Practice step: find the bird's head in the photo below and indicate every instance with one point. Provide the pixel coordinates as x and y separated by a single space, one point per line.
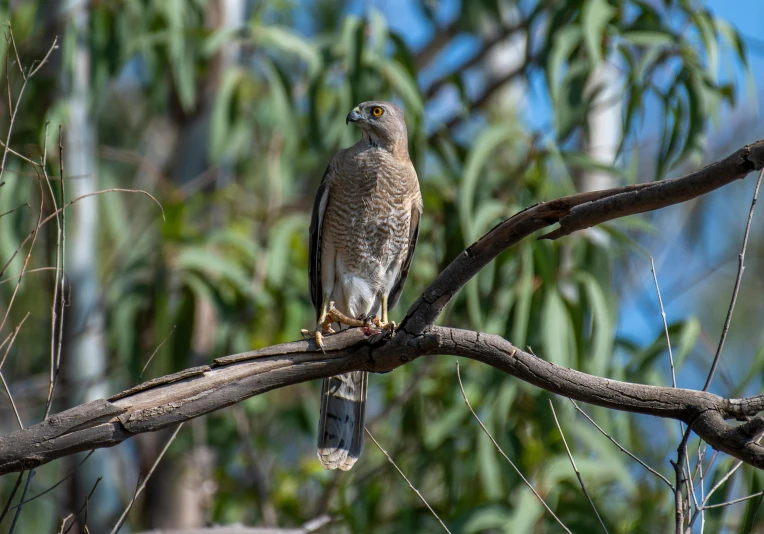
382 124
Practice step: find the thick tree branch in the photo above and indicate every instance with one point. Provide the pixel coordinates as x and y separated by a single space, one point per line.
194 392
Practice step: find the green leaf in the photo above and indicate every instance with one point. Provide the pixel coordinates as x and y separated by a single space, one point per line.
689 332
479 154
565 41
556 329
285 40
649 37
490 470
486 518
403 83
221 113
524 289
602 325
594 18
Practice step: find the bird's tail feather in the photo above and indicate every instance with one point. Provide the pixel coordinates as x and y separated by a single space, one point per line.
341 425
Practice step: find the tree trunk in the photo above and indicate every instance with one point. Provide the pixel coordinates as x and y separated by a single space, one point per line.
84 361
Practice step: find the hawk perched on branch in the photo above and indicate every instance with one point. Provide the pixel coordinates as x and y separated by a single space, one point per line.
363 231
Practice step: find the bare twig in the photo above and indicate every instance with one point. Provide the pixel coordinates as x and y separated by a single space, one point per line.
61 209
54 486
270 517
10 397
680 481
632 456
575 468
54 305
11 337
740 269
26 261
30 271
724 479
63 523
10 498
14 209
84 506
421 497
501 451
720 505
14 110
665 324
701 457
155 351
16 516
2 378
687 479
140 488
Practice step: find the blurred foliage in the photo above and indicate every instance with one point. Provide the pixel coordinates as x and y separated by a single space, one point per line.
269 94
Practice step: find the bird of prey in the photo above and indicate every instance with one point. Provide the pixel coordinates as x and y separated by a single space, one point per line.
363 230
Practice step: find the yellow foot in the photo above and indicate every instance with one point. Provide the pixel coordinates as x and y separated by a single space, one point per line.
391 326
324 326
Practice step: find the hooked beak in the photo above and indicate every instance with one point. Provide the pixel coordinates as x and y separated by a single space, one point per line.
353 116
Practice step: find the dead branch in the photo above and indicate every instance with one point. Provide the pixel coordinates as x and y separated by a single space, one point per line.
172 399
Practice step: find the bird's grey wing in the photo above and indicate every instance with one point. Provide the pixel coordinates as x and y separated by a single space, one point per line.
314 246
395 294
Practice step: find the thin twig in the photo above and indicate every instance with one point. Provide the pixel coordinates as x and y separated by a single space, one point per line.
63 523
53 306
20 156
625 451
740 269
30 271
665 324
26 260
155 351
680 480
14 110
14 209
2 378
11 337
30 476
741 499
421 497
61 209
58 293
498 448
259 480
54 486
688 479
85 505
701 457
10 398
722 481
575 468
138 491
10 499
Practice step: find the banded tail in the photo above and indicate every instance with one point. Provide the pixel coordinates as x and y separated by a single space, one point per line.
341 424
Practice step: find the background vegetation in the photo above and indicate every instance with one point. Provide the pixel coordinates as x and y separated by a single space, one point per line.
227 112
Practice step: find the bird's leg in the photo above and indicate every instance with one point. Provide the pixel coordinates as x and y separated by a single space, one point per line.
337 316
323 325
329 314
383 323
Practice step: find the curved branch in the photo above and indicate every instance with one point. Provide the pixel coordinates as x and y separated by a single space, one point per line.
577 212
176 398
172 399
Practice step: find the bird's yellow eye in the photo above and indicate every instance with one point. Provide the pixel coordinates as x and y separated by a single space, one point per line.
377 111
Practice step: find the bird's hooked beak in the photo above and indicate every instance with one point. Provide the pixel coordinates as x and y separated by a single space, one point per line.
354 116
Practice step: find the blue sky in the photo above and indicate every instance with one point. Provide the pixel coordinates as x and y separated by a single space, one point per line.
713 253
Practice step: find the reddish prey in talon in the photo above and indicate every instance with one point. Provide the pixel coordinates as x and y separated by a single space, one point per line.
369 325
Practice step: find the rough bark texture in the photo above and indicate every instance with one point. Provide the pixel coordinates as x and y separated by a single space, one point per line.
182 396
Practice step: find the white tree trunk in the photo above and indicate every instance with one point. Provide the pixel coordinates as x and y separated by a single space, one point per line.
85 358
